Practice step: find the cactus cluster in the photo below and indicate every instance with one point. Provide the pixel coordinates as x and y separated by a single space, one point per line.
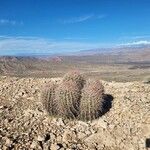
74 98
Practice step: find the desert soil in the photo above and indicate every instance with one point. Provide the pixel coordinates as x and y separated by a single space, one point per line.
24 124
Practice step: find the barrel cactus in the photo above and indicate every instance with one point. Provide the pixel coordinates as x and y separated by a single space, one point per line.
76 77
68 99
48 98
91 100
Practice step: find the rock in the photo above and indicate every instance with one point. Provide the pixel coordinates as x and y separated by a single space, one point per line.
87 132
40 138
1 107
34 144
79 146
24 124
73 146
69 136
60 122
100 123
101 137
54 147
92 131
146 130
81 135
52 137
59 139
4 147
8 142
146 80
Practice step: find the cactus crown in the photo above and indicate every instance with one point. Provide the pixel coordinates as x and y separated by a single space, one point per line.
70 86
76 77
93 87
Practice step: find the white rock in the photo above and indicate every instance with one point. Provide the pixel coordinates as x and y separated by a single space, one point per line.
8 142
40 138
34 144
54 147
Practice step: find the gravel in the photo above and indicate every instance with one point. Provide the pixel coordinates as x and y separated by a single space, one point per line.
24 124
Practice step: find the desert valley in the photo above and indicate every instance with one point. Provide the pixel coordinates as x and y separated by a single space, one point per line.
25 124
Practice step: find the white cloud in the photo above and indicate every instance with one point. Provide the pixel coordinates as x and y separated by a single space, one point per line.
40 45
142 42
82 18
10 22
76 19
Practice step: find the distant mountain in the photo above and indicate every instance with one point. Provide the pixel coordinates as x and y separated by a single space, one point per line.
115 51
13 64
40 65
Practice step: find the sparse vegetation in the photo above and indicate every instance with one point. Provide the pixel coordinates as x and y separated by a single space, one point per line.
91 100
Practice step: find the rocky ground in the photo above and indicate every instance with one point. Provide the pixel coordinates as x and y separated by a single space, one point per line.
24 124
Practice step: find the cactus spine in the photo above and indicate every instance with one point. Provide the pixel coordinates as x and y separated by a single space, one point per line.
48 98
68 99
76 77
91 100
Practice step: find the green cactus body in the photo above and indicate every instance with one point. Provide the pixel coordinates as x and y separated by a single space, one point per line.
68 99
91 100
48 98
76 77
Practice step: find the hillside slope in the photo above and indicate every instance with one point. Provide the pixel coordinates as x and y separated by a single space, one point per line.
24 124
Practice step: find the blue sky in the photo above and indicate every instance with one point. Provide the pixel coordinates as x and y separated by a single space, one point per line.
53 26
